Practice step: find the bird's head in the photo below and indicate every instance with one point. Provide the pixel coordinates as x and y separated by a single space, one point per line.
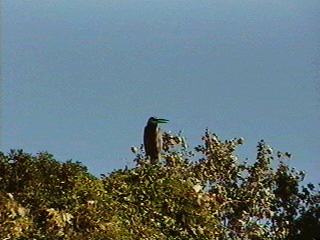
155 121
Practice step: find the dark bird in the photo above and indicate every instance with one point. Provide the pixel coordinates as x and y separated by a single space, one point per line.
153 138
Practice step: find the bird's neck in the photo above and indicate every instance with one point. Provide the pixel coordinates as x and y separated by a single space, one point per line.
154 126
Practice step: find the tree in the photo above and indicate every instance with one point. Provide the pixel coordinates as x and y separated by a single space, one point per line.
216 197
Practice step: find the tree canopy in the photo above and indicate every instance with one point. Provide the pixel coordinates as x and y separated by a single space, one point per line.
216 196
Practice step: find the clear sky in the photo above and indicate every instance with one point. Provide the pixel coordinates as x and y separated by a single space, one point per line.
81 78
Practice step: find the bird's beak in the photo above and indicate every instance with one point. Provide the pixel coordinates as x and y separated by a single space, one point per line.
161 120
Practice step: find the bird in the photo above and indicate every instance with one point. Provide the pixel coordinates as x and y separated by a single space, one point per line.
152 138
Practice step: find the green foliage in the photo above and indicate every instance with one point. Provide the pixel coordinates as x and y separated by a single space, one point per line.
216 197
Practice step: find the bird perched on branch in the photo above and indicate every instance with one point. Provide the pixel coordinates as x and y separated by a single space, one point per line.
153 138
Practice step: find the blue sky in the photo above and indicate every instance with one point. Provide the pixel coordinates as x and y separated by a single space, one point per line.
81 78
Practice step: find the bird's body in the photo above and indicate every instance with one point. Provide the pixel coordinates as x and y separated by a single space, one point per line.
153 138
